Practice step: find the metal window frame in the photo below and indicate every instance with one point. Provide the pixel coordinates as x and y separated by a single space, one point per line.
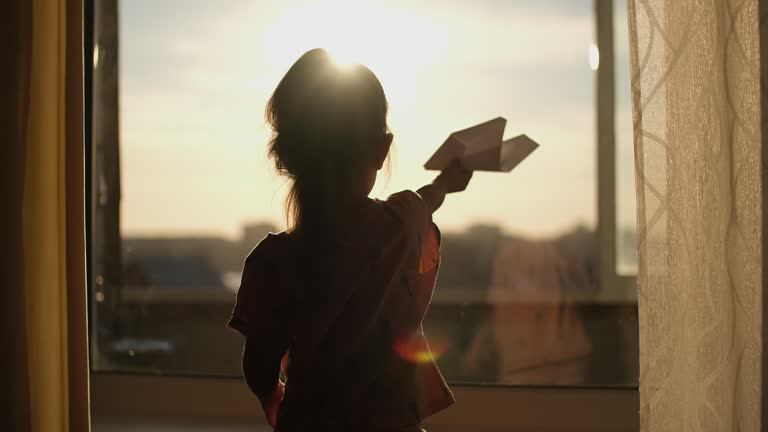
479 408
615 287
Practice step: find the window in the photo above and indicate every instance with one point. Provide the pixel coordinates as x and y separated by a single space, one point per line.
626 208
533 287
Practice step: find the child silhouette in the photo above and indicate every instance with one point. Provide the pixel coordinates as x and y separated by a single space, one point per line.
336 301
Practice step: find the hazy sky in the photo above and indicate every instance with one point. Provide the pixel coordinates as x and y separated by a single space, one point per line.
195 76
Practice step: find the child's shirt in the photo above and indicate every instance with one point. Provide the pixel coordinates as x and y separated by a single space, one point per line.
350 314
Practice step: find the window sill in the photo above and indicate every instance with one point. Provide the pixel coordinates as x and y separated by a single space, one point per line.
126 402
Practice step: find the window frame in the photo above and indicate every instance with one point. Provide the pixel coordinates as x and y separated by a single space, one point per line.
624 286
479 407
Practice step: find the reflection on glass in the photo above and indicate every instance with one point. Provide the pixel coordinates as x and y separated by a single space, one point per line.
626 209
515 301
594 57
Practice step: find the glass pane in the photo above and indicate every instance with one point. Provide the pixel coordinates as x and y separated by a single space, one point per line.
626 208
183 190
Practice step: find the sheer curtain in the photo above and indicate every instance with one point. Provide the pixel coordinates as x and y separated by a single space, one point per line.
696 91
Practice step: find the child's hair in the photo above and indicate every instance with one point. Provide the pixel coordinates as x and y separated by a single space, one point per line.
325 119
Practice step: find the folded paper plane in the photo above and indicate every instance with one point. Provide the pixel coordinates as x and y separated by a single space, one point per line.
481 148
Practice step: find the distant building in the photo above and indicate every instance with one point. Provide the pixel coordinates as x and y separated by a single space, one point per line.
172 272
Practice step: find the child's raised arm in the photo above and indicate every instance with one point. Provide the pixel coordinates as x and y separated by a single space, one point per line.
452 179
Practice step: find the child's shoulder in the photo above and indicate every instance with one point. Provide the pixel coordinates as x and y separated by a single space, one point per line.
409 210
267 247
399 218
405 206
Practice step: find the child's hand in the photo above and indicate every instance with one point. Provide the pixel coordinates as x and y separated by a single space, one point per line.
454 178
272 407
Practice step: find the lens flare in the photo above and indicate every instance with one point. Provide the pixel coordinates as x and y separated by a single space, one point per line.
416 350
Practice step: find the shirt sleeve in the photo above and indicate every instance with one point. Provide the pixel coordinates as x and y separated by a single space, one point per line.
410 304
259 315
417 220
257 305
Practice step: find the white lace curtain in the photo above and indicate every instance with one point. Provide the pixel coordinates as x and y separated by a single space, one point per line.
700 157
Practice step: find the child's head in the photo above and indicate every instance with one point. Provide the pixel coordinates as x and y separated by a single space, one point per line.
330 134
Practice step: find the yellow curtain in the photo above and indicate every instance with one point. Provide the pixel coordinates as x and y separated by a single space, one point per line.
700 155
15 33
46 296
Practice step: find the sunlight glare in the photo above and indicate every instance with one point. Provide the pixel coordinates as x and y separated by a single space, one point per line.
95 55
594 57
340 60
397 44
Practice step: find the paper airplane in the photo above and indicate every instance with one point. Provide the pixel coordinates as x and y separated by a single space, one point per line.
481 148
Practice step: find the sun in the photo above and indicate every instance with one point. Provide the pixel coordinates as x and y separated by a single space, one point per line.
398 43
